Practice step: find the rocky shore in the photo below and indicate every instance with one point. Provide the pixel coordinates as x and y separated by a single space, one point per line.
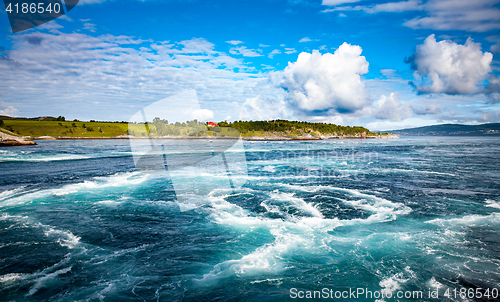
11 140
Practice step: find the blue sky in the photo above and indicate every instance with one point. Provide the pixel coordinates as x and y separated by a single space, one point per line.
380 64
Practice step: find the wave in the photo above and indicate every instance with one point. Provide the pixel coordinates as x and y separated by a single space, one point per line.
19 197
32 156
492 204
43 158
9 193
469 220
293 234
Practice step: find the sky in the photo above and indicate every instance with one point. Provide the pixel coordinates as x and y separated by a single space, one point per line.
380 64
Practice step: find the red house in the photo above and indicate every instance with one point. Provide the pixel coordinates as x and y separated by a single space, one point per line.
212 124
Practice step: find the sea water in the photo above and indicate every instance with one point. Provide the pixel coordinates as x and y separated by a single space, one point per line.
323 219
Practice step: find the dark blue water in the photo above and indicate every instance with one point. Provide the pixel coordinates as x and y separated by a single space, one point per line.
79 223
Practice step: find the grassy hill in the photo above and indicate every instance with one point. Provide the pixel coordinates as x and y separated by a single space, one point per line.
452 130
64 129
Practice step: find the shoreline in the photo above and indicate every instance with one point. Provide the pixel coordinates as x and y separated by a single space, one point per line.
250 138
7 140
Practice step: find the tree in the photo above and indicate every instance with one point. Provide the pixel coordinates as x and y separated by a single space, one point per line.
1 123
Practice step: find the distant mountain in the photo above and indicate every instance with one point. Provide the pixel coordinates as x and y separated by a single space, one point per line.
452 130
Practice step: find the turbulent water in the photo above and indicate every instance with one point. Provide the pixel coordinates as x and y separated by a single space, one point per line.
78 222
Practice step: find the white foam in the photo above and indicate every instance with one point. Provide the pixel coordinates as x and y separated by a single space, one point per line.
382 209
434 284
414 171
64 238
265 259
9 193
11 277
469 220
98 183
42 157
291 234
269 169
297 202
492 204
41 281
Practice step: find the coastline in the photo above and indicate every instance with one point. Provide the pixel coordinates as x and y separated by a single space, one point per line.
11 140
249 138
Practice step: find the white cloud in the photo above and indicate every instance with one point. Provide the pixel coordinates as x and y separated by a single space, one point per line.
337 2
388 72
89 26
234 42
273 53
8 110
202 114
246 52
305 39
429 109
67 73
474 16
325 83
290 50
447 67
489 117
395 7
390 108
258 108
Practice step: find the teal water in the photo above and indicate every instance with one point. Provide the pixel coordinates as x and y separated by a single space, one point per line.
78 222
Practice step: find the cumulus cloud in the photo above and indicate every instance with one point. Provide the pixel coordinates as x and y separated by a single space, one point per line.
305 39
448 67
325 82
8 110
259 108
390 108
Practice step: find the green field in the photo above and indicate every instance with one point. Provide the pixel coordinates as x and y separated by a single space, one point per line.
58 129
65 129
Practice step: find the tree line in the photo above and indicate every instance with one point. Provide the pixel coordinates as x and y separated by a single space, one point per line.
284 126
